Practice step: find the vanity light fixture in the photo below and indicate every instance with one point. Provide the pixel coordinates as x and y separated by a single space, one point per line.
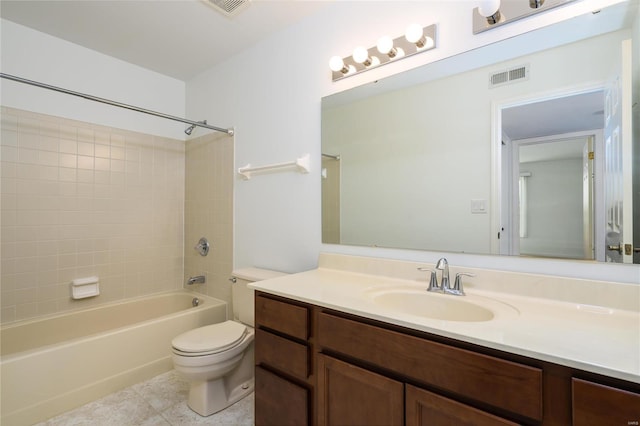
492 13
417 39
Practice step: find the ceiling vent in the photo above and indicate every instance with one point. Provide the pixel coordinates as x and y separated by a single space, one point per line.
228 8
500 78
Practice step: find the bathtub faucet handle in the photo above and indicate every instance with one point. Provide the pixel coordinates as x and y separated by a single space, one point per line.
202 247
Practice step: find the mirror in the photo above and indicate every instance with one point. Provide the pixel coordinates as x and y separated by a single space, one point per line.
433 158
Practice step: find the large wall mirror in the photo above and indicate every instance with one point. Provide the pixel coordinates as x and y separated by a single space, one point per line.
523 147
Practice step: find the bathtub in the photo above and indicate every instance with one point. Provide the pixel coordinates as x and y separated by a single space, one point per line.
52 365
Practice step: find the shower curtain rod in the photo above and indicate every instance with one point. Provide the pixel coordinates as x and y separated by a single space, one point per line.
116 104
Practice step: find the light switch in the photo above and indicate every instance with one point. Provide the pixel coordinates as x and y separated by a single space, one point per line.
478 206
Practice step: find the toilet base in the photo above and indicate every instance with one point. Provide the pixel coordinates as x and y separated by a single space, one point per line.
209 397
219 379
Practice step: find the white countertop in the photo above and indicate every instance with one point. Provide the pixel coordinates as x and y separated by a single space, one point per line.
604 340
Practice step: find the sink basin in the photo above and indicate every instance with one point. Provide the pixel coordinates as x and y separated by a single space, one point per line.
419 302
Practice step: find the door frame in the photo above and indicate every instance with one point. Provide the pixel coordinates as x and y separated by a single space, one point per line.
509 205
498 217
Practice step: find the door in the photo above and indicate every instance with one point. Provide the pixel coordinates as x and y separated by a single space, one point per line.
350 395
424 408
279 402
596 404
619 161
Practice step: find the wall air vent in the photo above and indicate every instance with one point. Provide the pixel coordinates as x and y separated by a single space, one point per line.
500 78
228 8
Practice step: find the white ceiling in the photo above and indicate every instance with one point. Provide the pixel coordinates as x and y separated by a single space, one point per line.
556 116
577 113
178 38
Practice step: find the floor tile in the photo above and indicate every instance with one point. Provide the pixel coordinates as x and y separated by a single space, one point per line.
164 390
155 421
125 407
239 414
160 401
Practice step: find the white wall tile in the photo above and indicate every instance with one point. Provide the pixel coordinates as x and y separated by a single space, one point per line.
69 210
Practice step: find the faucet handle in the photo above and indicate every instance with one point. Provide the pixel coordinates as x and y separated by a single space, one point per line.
433 280
457 285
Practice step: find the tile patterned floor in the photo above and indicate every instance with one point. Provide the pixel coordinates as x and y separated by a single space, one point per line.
160 401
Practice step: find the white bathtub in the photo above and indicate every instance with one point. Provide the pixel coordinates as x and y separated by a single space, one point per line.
51 365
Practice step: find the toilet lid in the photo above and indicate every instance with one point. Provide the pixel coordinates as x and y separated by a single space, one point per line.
210 338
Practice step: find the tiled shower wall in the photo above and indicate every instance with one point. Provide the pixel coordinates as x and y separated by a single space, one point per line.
209 212
79 200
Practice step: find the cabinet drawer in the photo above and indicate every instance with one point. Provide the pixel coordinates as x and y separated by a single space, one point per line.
503 384
426 408
595 404
292 320
285 355
278 401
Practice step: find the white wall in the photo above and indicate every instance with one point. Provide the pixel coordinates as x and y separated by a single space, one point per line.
271 94
40 57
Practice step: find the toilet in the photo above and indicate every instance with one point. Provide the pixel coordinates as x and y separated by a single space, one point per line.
218 359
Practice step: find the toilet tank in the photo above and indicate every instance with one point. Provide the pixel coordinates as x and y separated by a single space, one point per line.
242 296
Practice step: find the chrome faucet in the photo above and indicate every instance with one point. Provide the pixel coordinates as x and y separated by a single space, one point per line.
444 286
443 265
200 279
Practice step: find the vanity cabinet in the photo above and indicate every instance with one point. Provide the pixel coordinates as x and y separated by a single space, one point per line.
484 380
283 388
320 366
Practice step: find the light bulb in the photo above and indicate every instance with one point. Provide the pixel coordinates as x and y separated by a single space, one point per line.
337 64
487 8
360 55
413 33
490 9
429 43
385 45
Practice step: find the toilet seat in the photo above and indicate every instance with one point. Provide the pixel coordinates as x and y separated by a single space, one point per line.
210 339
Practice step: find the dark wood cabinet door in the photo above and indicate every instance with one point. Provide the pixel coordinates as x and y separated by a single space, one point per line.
595 405
278 401
350 395
424 408
514 387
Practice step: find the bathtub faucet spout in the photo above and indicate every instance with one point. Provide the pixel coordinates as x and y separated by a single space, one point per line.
200 279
